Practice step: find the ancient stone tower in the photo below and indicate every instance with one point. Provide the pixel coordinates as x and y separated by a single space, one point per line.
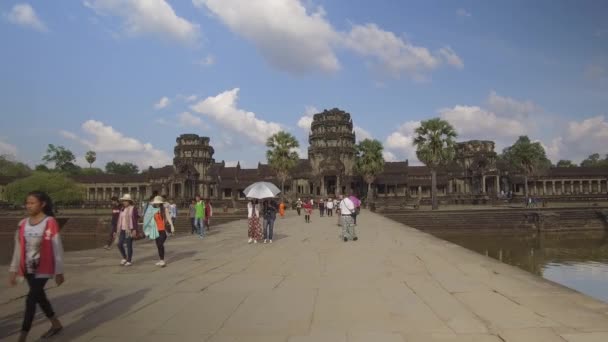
193 151
332 152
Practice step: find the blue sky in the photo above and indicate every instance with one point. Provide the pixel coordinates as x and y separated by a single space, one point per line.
93 74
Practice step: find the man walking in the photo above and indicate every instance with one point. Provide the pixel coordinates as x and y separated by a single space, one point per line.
199 216
347 210
192 215
330 207
270 215
321 207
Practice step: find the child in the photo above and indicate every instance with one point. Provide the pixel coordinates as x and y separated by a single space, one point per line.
38 256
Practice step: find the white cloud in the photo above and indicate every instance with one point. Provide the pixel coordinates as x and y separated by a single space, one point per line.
451 57
24 15
162 103
472 122
209 60
401 142
114 145
289 36
298 39
362 134
223 109
186 119
394 54
153 17
389 156
510 107
306 120
596 72
461 12
7 149
191 98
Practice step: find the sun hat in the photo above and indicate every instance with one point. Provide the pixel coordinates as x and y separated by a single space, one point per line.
126 197
158 200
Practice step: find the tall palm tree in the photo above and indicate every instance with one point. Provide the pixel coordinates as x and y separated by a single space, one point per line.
281 155
369 162
527 157
90 157
435 147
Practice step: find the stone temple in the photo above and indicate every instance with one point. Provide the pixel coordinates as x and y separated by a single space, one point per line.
474 177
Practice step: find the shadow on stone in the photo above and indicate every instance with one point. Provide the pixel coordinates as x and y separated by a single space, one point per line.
169 256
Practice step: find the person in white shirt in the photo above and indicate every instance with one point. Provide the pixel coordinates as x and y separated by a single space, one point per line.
347 210
330 207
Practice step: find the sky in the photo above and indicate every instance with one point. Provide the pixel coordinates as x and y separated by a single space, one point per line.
124 78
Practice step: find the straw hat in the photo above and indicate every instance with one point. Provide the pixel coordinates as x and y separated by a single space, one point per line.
126 197
158 200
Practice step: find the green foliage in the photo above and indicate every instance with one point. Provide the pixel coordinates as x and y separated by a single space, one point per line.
435 142
435 146
12 168
565 163
595 160
62 189
91 171
42 168
62 158
121 168
281 154
527 157
369 161
90 157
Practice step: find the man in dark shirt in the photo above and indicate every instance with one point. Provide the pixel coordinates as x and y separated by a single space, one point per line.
270 214
115 213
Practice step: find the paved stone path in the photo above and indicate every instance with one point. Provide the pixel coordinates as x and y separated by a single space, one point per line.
394 284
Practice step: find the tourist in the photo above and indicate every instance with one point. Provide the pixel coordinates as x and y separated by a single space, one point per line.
347 211
321 207
192 215
307 210
253 215
126 228
208 214
199 216
330 207
299 206
282 209
270 215
37 257
156 219
115 213
173 211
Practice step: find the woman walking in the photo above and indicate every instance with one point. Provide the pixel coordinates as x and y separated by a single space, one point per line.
157 219
208 214
38 256
126 229
192 215
253 214
307 210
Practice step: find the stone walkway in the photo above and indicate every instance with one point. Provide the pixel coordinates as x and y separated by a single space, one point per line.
394 284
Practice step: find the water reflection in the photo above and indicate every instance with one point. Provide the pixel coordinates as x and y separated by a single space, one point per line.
578 260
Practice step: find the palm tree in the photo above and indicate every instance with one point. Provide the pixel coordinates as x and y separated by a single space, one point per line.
369 162
435 147
527 157
90 157
281 155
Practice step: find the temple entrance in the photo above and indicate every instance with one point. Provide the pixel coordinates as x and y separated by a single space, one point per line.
330 184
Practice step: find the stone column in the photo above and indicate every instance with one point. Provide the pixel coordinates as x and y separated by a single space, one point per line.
497 188
323 191
544 188
563 191
339 185
581 186
483 184
553 186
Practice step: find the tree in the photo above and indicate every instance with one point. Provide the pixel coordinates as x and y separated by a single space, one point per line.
62 158
12 168
595 160
369 162
59 186
121 168
435 147
91 171
281 155
90 157
527 157
565 163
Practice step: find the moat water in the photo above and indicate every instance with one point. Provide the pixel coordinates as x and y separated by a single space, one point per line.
578 260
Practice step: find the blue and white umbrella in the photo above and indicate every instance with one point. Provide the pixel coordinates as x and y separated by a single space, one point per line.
261 190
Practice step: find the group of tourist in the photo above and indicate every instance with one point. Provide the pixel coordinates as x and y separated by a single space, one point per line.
347 209
200 212
267 211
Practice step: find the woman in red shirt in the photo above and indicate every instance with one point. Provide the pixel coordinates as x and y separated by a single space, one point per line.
307 210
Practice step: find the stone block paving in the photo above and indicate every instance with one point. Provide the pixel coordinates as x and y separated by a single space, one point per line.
395 284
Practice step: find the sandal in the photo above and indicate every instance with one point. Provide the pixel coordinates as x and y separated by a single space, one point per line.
52 332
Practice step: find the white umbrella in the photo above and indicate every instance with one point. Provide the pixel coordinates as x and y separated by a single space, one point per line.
261 190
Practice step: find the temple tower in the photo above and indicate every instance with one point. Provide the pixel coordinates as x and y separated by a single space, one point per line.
193 154
332 152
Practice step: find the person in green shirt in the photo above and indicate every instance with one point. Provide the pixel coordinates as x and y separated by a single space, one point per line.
199 216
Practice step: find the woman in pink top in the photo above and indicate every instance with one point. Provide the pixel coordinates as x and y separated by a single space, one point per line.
38 256
126 229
